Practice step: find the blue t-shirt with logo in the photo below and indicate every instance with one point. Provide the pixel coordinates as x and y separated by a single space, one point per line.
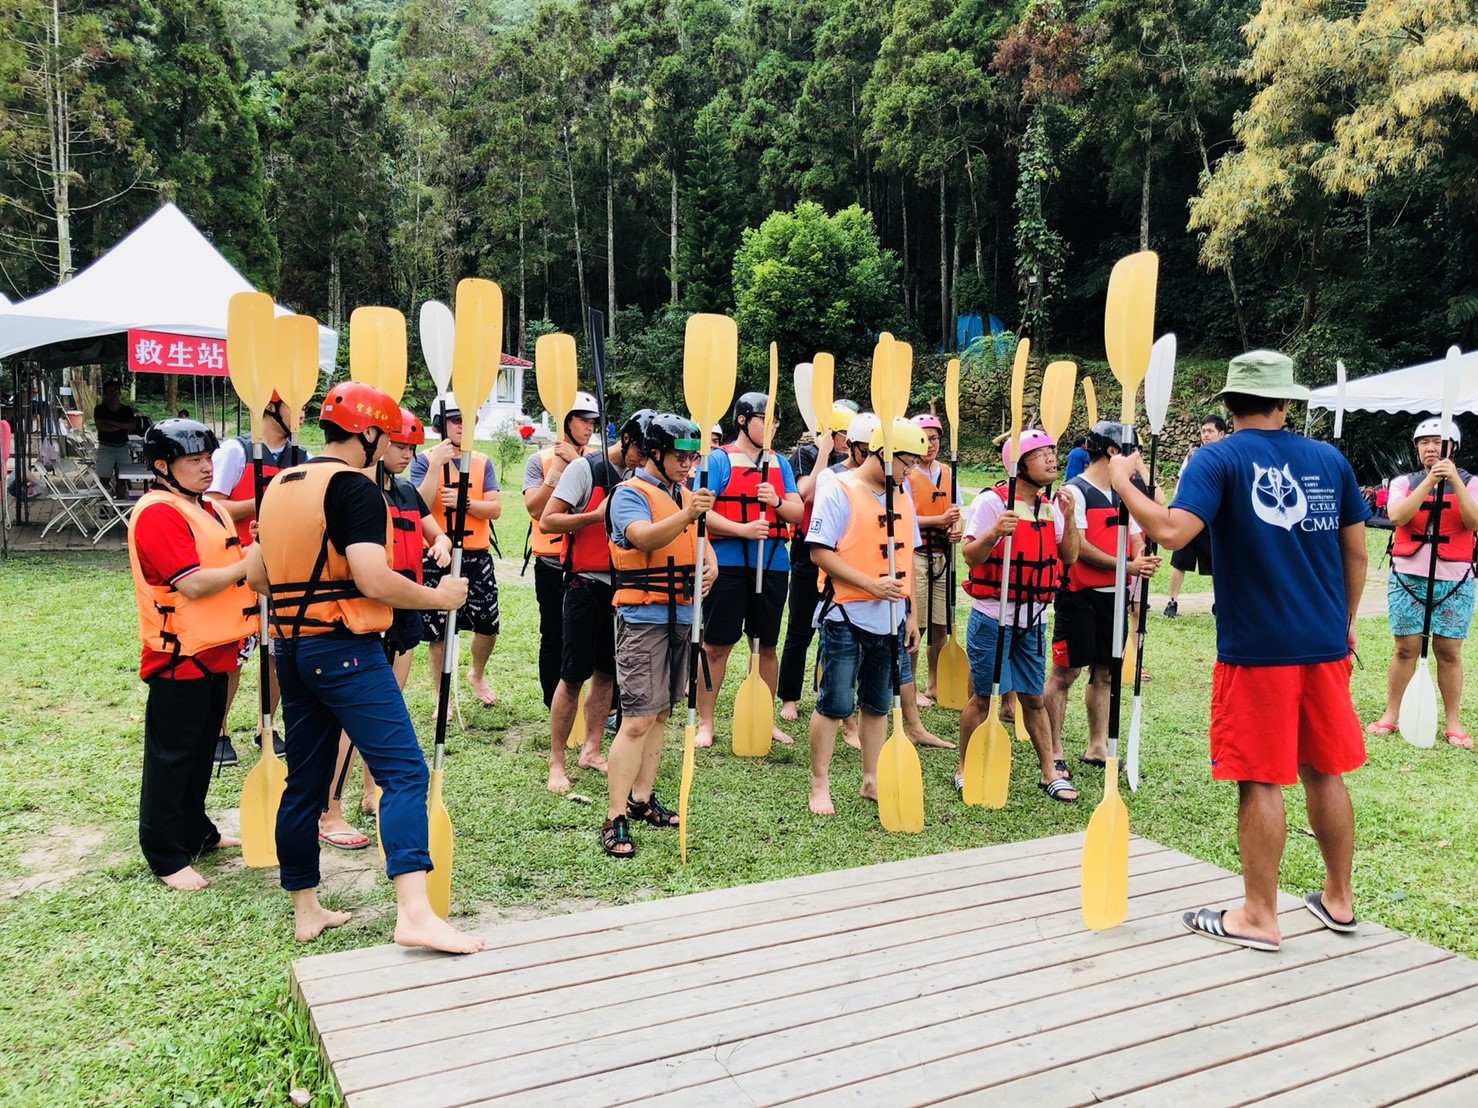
731 551
1275 503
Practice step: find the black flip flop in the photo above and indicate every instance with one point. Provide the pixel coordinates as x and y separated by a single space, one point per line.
1212 924
1087 761
1314 902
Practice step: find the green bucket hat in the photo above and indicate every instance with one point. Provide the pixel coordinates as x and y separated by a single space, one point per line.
1264 373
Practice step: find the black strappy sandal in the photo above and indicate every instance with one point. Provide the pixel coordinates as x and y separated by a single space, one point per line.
651 811
614 835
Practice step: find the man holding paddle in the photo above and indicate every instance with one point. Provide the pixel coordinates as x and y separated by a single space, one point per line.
1287 526
324 558
931 485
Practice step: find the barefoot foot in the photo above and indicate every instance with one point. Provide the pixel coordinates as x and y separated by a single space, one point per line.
314 920
869 790
434 933
558 780
185 880
820 799
591 759
928 738
790 710
703 737
779 736
851 737
225 842
482 690
925 700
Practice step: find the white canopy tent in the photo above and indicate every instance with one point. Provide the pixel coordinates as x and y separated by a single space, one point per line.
164 276
1415 389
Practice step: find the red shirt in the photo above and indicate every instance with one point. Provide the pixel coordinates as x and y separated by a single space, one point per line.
167 553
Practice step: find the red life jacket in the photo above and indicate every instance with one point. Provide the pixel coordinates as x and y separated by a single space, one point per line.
405 523
740 499
1102 532
589 550
1454 540
246 485
1033 560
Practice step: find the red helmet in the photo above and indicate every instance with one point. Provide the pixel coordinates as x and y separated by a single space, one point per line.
356 407
411 432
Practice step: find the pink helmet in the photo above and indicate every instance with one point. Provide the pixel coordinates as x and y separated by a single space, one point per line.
928 419
1033 438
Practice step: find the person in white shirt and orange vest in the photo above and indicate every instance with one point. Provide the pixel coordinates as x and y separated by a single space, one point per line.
194 611
932 485
435 473
653 525
1044 540
1083 627
755 497
577 513
849 544
541 474
324 557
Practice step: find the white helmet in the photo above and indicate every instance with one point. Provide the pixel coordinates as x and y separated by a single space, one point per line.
718 429
441 407
862 427
1432 429
584 406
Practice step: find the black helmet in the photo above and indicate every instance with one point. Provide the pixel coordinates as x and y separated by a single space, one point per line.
670 431
174 438
750 404
634 430
1104 434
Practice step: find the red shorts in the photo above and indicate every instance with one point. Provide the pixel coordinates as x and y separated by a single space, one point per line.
1266 721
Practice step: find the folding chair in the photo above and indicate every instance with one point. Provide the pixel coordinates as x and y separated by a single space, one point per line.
74 503
113 509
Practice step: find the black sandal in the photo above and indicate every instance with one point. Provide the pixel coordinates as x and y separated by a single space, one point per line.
614 834
651 811
1061 767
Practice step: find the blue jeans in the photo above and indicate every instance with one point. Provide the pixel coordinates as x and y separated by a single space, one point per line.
857 666
1023 659
328 685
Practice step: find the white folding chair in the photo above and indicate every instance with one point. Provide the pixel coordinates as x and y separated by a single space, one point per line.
74 502
113 509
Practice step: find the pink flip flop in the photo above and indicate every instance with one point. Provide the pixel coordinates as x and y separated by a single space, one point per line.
344 840
1380 727
1459 739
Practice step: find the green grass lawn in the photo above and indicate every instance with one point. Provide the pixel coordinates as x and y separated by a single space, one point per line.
120 991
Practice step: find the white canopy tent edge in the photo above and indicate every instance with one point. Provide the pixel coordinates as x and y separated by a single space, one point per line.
1415 389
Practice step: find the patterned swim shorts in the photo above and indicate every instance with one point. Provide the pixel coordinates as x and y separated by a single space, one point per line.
480 614
1452 605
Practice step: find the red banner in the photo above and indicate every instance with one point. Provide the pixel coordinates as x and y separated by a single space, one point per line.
165 352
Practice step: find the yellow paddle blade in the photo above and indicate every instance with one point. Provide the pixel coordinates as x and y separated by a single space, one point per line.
249 345
823 381
1105 870
770 396
554 368
1417 718
577 728
900 782
377 349
972 775
1090 401
1129 322
884 403
685 787
754 714
1059 381
439 834
1018 396
952 403
902 375
294 373
1126 670
710 364
261 796
476 344
954 675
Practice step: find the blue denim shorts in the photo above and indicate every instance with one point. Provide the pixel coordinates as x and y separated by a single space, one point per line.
857 666
1023 661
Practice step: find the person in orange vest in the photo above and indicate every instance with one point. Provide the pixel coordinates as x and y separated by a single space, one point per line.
416 535
932 485
435 474
577 513
324 557
1083 623
1044 539
540 476
860 603
1412 505
194 610
653 524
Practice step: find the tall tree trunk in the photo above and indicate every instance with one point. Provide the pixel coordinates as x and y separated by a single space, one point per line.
60 128
943 266
545 228
974 204
907 268
523 299
672 234
610 242
1144 200
575 220
335 292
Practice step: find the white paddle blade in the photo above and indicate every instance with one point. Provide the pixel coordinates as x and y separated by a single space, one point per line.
1158 380
803 401
1418 716
1450 391
1131 759
438 327
1341 382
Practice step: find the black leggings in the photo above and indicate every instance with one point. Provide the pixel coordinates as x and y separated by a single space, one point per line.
550 595
182 721
804 596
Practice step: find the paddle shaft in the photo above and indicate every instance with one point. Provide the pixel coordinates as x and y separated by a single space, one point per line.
949 571
892 576
1121 607
444 687
1434 528
1144 582
264 711
995 679
759 554
696 631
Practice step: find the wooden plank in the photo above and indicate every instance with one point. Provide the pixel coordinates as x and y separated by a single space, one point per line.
1459 1094
1392 1077
745 927
1239 1020
537 1069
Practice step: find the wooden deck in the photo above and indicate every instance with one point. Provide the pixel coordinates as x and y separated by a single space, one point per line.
956 977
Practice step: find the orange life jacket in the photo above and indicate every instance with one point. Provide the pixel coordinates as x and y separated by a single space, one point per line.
542 543
930 499
740 499
864 544
310 587
589 549
246 484
1102 532
1033 559
662 576
476 533
1454 540
171 622
404 503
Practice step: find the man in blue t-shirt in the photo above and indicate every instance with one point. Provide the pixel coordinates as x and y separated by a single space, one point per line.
756 504
1287 526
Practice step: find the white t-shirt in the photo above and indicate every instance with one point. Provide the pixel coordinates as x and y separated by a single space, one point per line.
1420 563
1080 517
830 517
985 509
